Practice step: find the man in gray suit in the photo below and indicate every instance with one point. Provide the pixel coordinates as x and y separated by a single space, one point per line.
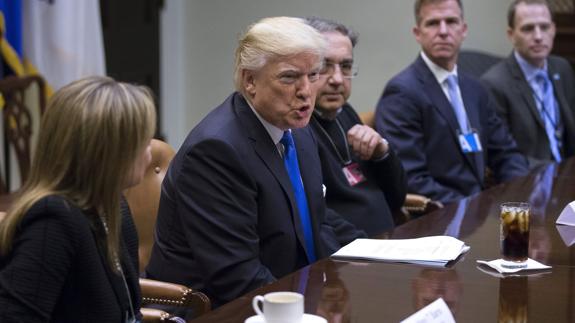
534 89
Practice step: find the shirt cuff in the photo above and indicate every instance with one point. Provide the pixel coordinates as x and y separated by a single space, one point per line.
384 157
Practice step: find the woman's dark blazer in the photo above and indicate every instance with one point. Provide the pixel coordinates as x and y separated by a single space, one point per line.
56 270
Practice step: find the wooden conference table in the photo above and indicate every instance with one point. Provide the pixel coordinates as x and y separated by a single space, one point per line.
361 291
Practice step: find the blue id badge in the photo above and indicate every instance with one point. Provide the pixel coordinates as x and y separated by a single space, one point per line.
470 142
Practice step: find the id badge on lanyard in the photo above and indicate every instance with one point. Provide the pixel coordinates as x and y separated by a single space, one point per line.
470 142
353 174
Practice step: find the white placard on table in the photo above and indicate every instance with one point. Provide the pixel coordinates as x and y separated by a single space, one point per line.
567 216
436 312
567 234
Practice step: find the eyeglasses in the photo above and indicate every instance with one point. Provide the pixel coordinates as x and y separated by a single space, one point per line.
347 68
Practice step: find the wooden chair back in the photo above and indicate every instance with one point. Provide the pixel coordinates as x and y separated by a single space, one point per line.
17 120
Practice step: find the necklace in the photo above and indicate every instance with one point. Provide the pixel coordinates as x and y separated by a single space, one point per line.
115 256
130 316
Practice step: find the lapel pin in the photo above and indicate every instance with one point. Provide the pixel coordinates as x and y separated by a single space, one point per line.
556 76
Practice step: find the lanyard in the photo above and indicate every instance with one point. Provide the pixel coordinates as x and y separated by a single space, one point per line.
555 122
547 115
333 145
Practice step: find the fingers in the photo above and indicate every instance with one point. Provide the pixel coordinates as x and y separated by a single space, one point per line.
366 142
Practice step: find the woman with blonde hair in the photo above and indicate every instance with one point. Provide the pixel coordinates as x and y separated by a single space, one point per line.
62 251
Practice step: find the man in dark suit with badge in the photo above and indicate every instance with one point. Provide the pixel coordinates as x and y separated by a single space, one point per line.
535 90
443 123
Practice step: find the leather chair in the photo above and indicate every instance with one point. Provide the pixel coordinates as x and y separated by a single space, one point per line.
17 114
415 204
475 63
144 200
170 295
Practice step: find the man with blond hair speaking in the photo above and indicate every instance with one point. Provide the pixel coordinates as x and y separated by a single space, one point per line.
242 203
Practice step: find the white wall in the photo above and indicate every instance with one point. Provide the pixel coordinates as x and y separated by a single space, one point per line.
199 38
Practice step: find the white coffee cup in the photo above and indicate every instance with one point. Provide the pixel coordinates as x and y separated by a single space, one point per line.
280 307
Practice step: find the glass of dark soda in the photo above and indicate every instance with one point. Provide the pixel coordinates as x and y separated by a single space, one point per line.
515 234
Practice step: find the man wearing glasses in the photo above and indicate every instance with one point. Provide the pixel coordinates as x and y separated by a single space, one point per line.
364 179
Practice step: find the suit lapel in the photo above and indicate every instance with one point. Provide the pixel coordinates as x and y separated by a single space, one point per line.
564 108
269 155
524 90
435 93
557 85
440 102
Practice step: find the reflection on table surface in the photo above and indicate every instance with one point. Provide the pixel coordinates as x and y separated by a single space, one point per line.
432 283
333 303
513 300
360 291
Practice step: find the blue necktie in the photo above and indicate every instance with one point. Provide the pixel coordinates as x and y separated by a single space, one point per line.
291 165
456 103
548 112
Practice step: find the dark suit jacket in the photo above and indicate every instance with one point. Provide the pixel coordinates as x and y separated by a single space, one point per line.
228 221
368 205
417 119
57 272
518 109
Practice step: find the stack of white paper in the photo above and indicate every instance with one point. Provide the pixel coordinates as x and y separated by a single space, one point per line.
435 251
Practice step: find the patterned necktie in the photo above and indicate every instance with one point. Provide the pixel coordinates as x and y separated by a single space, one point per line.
544 96
291 165
457 104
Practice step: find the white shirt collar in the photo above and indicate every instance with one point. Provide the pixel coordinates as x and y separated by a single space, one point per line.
275 133
439 72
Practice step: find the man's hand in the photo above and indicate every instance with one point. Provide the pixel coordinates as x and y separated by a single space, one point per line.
366 142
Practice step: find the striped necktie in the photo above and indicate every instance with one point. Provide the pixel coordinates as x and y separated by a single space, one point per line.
457 104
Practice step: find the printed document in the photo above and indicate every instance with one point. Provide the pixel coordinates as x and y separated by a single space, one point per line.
435 250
